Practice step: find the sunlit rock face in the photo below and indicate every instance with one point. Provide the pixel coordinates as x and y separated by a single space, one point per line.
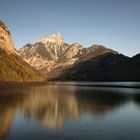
44 54
6 41
49 39
68 58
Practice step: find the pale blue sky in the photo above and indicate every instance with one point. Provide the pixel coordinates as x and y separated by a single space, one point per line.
112 23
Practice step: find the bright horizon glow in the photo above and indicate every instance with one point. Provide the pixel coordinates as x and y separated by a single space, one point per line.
114 24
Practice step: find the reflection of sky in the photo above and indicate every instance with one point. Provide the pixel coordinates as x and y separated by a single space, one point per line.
113 23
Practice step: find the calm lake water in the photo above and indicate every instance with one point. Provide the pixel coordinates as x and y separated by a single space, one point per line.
70 111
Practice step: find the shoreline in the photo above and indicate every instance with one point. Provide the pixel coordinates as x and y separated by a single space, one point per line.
4 84
18 84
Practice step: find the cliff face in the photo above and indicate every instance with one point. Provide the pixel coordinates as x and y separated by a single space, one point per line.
12 67
6 41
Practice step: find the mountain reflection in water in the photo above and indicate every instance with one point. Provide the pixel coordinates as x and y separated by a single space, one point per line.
52 105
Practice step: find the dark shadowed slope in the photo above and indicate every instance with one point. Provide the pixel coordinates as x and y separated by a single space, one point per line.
94 69
127 70
107 67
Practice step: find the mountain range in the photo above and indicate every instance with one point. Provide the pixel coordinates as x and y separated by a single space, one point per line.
51 58
61 61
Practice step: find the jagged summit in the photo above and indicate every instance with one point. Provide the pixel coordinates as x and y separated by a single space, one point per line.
77 44
49 39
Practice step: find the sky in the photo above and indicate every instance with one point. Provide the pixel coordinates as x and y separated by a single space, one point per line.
112 23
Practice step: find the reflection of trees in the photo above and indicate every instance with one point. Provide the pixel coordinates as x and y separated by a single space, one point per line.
99 102
52 105
6 118
9 100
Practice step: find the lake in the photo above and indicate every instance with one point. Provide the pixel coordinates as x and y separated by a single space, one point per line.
70 111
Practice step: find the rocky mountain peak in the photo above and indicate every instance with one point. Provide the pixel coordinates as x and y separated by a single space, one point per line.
57 35
76 44
49 39
97 46
99 50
